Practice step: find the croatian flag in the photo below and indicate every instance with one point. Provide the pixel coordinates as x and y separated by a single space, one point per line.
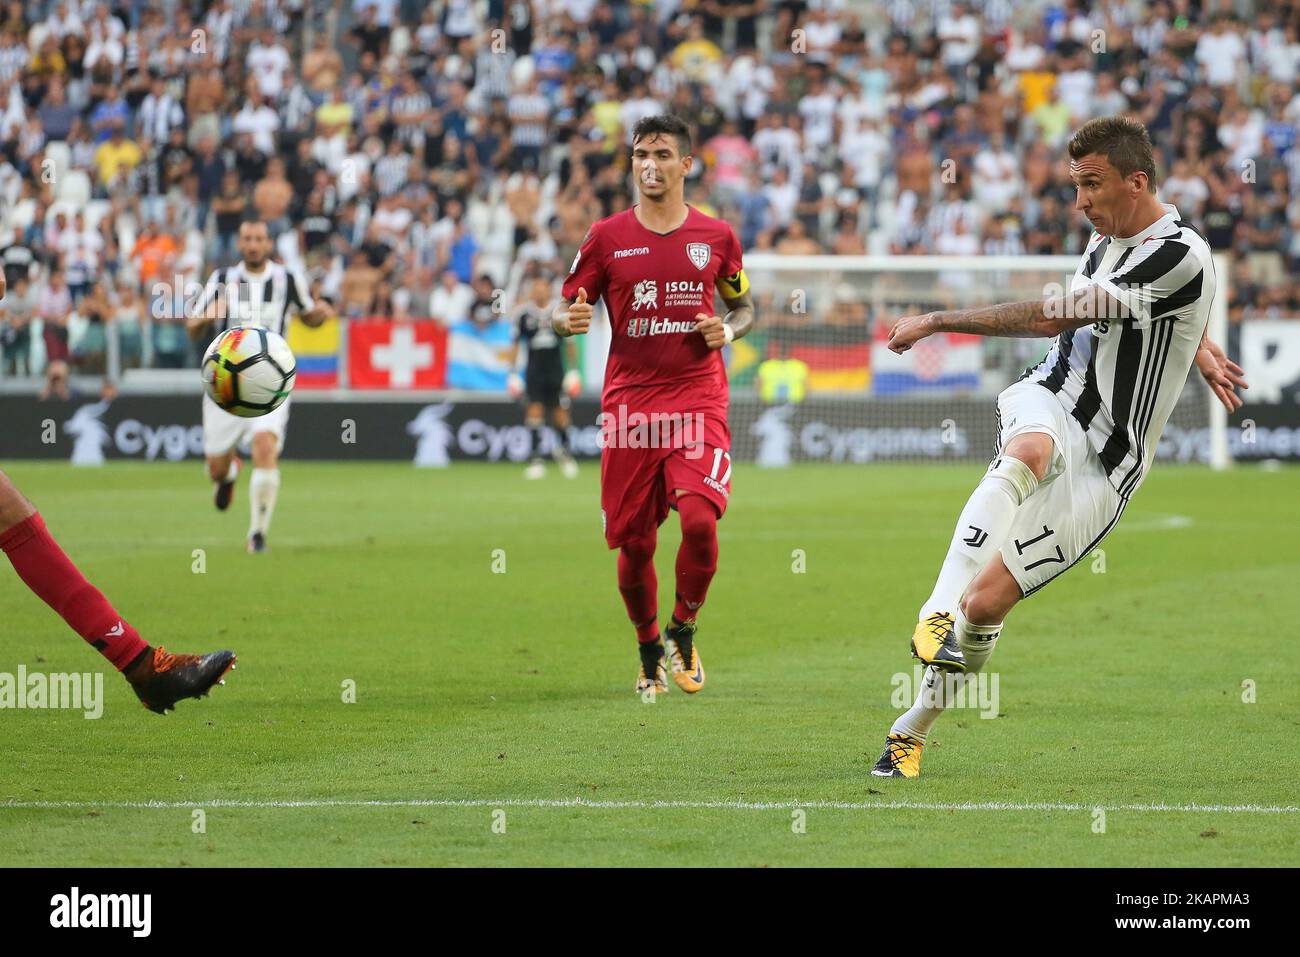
944 362
480 356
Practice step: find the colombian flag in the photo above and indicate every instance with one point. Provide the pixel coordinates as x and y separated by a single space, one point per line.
317 352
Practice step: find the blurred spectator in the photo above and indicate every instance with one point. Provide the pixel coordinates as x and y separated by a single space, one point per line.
81 250
116 157
154 254
128 319
797 242
53 307
452 300
259 121
272 198
96 312
16 312
848 239
357 291
57 384
228 208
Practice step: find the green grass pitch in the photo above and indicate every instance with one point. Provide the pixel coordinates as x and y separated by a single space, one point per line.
487 698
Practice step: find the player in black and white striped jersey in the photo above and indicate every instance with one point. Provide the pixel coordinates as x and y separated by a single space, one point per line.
1078 432
253 292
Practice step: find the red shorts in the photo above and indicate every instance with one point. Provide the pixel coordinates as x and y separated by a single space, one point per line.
640 474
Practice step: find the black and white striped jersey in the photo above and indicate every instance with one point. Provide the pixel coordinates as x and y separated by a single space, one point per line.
1121 376
263 299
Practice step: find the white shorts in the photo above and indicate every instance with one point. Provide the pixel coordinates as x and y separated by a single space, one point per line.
1074 506
223 432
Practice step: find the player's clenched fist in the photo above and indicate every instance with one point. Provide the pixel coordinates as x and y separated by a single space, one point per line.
712 328
908 331
575 318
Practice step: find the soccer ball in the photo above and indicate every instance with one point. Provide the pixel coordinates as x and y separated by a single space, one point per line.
248 371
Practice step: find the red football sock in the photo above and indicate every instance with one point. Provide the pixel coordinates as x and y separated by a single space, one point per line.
639 586
697 558
48 572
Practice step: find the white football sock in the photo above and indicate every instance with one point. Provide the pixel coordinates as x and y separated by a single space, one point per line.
977 641
232 471
262 490
916 721
977 644
984 525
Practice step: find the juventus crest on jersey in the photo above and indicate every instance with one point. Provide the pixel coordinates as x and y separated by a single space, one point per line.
263 299
1121 377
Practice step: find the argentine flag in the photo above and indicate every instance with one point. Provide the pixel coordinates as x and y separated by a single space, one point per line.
478 357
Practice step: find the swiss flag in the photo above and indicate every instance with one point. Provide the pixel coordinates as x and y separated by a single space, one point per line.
397 355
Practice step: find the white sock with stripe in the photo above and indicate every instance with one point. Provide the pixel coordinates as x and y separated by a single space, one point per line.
262 491
977 641
930 702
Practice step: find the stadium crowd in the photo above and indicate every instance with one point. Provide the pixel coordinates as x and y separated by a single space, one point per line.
414 157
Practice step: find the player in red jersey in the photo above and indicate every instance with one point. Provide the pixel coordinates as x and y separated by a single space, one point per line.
158 677
664 406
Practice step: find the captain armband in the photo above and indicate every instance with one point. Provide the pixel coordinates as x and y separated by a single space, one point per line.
735 285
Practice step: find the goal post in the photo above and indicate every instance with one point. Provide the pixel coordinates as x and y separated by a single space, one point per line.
814 381
1219 455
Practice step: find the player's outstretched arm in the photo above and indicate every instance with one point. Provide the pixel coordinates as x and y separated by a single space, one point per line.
209 308
1030 319
572 317
197 324
316 315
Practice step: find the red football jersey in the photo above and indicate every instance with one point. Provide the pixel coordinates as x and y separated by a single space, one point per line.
654 285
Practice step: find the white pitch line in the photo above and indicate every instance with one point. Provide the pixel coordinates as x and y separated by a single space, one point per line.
1156 522
655 805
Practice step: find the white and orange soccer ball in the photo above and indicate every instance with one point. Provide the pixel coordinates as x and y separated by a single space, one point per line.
248 371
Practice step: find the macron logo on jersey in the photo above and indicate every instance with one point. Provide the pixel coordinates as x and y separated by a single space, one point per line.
639 251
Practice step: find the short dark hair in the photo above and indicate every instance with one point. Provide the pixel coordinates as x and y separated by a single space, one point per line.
666 124
1124 142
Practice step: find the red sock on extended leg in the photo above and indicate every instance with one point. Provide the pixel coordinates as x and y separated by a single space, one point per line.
42 564
639 586
697 558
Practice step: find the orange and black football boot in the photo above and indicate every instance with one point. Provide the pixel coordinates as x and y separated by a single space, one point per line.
683 656
902 757
160 679
934 643
652 675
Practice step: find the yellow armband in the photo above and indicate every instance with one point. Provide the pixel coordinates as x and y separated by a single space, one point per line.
734 286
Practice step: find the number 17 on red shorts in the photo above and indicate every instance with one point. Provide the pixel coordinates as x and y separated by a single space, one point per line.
647 457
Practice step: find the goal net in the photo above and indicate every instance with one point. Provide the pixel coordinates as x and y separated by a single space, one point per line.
815 381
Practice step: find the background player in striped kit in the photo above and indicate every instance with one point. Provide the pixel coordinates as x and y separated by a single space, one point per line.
545 382
256 292
1078 432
